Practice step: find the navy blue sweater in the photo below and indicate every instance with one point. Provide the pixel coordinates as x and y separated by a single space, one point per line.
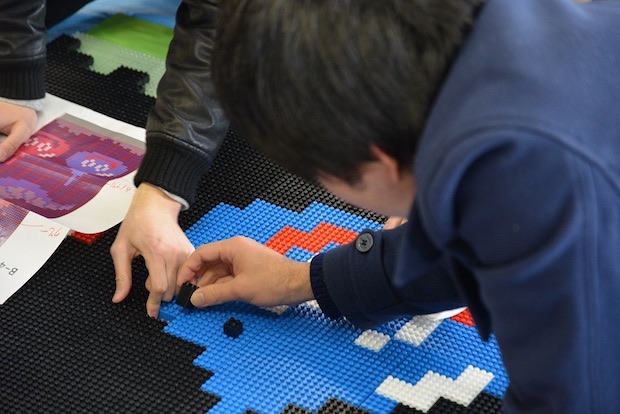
517 211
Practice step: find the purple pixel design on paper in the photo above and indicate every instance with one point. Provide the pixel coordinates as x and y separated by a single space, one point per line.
65 164
10 218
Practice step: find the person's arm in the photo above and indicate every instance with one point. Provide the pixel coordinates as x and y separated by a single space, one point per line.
241 269
184 131
359 283
360 280
527 221
187 124
22 71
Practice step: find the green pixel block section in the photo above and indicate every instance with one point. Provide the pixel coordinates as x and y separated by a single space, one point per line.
137 34
108 56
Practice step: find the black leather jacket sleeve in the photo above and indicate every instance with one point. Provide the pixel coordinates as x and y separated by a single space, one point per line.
22 49
187 125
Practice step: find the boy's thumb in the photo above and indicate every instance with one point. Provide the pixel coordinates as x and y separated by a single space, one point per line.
198 299
212 295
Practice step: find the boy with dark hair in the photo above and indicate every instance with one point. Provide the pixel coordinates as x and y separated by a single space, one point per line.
494 127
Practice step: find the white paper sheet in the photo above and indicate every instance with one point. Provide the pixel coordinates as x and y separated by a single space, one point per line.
109 206
25 248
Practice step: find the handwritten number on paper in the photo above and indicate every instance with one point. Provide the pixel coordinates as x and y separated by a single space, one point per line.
8 269
52 232
122 187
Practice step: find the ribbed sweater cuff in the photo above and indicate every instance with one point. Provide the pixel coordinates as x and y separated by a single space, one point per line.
319 289
23 81
172 167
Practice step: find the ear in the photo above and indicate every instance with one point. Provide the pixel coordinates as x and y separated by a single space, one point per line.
388 163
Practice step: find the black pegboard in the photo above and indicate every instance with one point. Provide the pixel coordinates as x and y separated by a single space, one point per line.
482 404
67 348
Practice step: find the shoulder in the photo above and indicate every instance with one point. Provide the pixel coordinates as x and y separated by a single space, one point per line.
488 176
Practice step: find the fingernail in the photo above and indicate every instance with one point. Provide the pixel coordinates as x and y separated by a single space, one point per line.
115 297
198 300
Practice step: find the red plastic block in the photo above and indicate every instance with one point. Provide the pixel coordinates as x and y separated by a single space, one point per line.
86 238
314 242
464 317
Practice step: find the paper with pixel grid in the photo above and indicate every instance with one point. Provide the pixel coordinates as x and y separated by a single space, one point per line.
75 173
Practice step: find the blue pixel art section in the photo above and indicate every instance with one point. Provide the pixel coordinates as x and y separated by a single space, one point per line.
295 355
261 221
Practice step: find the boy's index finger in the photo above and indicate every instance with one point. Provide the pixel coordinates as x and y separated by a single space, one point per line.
153 303
156 267
197 263
122 259
9 145
207 255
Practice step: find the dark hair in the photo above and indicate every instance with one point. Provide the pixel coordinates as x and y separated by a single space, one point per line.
313 83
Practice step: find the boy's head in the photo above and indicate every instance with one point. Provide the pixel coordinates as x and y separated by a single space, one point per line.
320 85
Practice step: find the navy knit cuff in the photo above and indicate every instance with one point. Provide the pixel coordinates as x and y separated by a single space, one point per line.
319 289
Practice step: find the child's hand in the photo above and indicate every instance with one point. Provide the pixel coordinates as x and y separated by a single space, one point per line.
18 123
242 269
394 222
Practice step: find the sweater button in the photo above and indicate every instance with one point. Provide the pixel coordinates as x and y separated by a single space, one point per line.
364 242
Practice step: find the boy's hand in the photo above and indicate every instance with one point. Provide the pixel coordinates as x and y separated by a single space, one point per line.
242 269
150 229
18 123
394 222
